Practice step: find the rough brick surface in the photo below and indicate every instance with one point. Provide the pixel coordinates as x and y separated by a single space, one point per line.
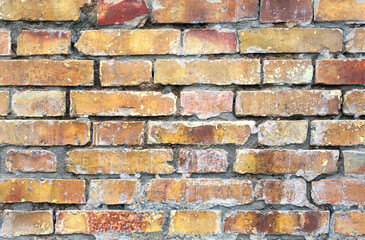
118 133
350 223
114 191
4 102
339 10
354 162
202 161
355 40
354 103
285 10
5 42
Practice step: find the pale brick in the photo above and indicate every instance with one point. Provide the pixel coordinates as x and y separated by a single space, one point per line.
113 191
30 161
339 10
202 161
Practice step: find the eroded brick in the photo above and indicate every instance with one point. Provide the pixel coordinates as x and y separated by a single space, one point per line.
286 10
5 42
202 161
30 161
113 191
350 223
339 10
354 162
4 103
354 103
355 40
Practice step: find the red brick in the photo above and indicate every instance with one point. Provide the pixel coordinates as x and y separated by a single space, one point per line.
202 161
113 191
354 162
4 103
354 103
5 42
339 10
286 10
350 223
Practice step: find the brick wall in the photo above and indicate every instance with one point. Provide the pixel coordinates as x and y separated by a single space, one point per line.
182 119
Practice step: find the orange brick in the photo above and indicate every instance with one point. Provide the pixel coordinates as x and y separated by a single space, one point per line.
355 40
44 132
89 222
286 10
5 42
202 161
20 223
4 103
278 222
113 191
206 104
354 162
122 103
354 103
287 103
350 223
195 222
39 103
290 40
40 42
201 71
30 161
118 133
46 72
227 192
58 191
339 10
204 133
129 42
124 73
306 163
117 161
348 192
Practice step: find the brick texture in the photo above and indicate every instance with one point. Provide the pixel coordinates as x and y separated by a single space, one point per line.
344 10
285 10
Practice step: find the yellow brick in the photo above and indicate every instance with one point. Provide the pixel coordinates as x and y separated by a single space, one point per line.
339 10
4 103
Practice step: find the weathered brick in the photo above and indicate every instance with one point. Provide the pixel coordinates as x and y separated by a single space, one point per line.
122 103
202 161
276 133
129 42
340 71
46 72
39 10
201 71
30 161
209 41
350 223
205 133
124 73
88 222
44 132
206 104
117 161
113 191
195 222
354 103
19 223
293 40
227 192
5 42
118 133
354 162
282 192
285 10
4 103
339 10
58 191
287 103
278 222
355 40
288 71
43 42
337 132
347 192
306 163
39 103
192 11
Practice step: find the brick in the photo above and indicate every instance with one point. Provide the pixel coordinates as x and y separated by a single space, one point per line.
278 222
113 191
20 223
48 132
121 11
30 161
201 71
293 40
277 133
194 222
355 40
340 71
354 162
39 103
122 103
124 73
286 103
89 222
306 163
191 11
46 72
129 42
58 191
354 103
203 133
118 161
202 161
41 42
348 192
118 133
209 41
286 11
280 72
350 223
227 192
4 103
337 132
206 104
39 10
282 192
339 10
5 43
